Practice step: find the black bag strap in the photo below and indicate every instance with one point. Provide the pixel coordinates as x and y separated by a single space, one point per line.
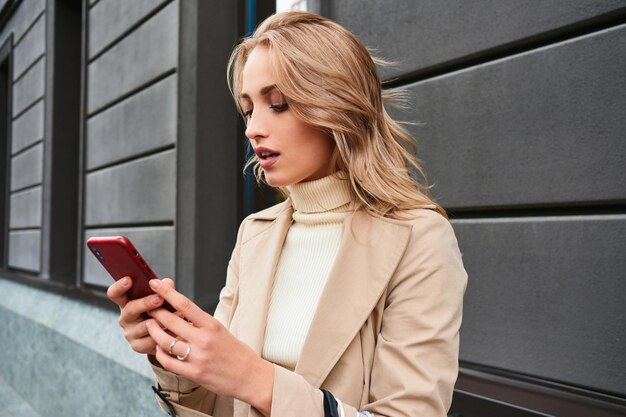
172 413
330 404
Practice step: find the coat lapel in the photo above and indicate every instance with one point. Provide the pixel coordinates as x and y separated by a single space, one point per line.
258 261
369 252
259 257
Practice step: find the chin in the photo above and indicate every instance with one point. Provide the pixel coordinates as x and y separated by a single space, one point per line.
277 180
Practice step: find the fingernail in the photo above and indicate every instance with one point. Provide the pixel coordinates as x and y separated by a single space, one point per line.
155 299
154 284
124 281
148 323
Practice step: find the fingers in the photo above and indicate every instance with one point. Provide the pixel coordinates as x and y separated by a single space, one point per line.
163 343
135 331
143 345
135 308
162 339
117 291
173 323
181 303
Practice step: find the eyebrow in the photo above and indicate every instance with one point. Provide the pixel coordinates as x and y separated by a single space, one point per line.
263 91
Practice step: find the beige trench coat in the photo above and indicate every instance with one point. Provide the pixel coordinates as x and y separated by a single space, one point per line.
384 337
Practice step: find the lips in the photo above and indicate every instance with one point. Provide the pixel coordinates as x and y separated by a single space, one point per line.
267 157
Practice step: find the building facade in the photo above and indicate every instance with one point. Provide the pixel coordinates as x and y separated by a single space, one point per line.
115 118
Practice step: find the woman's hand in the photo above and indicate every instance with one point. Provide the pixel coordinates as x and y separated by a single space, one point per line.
132 319
207 353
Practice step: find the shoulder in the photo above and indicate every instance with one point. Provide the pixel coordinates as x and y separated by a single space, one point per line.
430 229
432 241
432 261
423 222
423 232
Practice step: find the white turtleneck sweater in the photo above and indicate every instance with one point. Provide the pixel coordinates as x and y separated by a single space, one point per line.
307 256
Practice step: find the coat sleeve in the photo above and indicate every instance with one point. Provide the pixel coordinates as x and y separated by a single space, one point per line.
415 361
189 398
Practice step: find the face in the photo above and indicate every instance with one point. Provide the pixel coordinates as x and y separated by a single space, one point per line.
289 150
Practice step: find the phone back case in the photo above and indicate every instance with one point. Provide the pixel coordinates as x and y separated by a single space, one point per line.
120 258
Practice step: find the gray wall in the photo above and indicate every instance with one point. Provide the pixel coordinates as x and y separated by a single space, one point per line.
520 109
131 129
27 150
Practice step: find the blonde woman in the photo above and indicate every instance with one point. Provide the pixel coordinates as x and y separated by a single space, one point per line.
346 298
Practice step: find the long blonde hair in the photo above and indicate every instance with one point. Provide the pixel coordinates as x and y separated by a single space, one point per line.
330 81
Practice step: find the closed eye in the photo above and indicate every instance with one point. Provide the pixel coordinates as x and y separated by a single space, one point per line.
279 107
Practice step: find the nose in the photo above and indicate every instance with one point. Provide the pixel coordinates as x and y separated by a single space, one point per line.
255 128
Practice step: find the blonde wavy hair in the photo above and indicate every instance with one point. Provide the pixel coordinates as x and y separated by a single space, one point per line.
330 81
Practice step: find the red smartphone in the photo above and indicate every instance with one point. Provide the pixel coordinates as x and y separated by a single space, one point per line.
120 258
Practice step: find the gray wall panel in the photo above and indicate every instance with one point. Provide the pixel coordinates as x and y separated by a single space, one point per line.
23 17
156 245
30 87
25 249
145 54
109 19
546 297
28 128
145 121
25 208
422 34
139 191
27 168
31 47
543 127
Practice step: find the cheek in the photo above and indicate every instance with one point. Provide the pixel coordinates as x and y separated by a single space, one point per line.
316 154
307 149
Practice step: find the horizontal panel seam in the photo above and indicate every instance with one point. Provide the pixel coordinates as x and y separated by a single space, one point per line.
511 49
27 187
27 108
132 92
24 229
92 5
132 158
27 148
538 219
33 64
164 223
128 31
32 24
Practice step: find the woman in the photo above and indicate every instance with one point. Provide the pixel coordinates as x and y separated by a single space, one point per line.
353 285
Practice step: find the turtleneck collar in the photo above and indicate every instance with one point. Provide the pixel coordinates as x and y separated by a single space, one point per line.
323 195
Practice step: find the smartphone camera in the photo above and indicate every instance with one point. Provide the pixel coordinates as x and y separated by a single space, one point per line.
96 252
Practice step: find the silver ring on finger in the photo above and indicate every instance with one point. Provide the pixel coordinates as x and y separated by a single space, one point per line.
170 351
187 352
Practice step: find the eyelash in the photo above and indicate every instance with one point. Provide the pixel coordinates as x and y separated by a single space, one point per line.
278 108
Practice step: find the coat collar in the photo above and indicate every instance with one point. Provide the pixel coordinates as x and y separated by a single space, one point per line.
369 252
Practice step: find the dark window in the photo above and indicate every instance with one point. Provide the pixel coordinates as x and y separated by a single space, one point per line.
63 92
